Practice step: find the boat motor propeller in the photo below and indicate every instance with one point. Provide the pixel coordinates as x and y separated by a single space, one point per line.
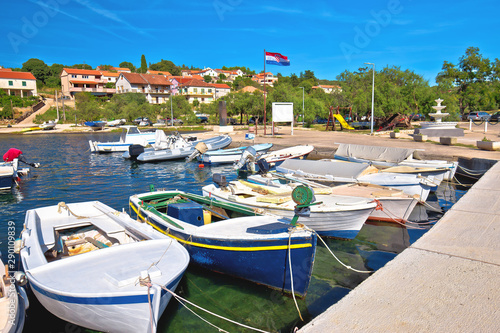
249 155
200 149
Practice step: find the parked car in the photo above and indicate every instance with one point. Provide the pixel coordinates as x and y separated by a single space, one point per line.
495 117
137 120
177 122
481 115
417 117
251 121
145 122
203 119
319 120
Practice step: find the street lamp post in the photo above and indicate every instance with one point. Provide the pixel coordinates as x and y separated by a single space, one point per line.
373 94
171 111
303 112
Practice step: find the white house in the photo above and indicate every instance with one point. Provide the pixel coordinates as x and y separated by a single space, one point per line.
328 89
156 88
109 76
197 90
75 80
220 89
207 71
20 84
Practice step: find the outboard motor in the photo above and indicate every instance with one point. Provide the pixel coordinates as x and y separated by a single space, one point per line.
134 151
200 149
249 155
220 180
263 166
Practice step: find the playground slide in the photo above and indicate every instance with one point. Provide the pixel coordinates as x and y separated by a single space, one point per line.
342 122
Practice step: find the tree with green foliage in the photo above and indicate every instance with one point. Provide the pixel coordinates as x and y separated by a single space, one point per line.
129 65
167 66
245 70
474 80
38 68
241 82
144 64
207 78
87 107
81 66
107 68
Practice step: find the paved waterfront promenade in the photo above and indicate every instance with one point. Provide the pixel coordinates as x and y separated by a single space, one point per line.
447 281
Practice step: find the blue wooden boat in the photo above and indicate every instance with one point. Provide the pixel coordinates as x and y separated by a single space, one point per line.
95 125
228 238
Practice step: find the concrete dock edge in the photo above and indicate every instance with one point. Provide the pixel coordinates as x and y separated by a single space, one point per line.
447 281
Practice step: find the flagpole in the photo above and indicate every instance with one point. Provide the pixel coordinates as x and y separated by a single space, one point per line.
265 92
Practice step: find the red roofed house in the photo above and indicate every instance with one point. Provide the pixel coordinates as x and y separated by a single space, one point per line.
84 80
268 77
230 75
156 88
20 84
221 89
197 90
109 76
328 89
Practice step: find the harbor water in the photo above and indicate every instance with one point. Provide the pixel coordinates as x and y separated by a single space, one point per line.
70 173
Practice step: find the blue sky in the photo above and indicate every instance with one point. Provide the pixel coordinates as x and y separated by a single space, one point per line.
326 37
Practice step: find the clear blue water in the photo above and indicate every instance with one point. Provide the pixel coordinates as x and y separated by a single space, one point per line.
70 173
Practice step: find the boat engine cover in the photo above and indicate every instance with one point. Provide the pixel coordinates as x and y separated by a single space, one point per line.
135 150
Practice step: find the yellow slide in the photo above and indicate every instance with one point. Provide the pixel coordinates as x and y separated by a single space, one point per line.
342 121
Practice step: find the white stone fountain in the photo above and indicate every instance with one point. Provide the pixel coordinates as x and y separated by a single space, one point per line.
439 128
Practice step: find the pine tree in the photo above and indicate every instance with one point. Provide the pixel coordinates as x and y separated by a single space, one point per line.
144 64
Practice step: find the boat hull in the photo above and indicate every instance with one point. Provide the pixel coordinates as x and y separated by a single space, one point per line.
231 155
106 312
260 259
345 223
152 155
84 264
394 210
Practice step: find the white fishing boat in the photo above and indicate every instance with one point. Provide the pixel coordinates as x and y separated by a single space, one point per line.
336 216
277 157
391 156
392 205
8 174
131 135
175 147
48 125
13 300
97 268
222 156
116 122
335 172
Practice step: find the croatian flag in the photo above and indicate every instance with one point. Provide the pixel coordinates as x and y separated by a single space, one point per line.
277 59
